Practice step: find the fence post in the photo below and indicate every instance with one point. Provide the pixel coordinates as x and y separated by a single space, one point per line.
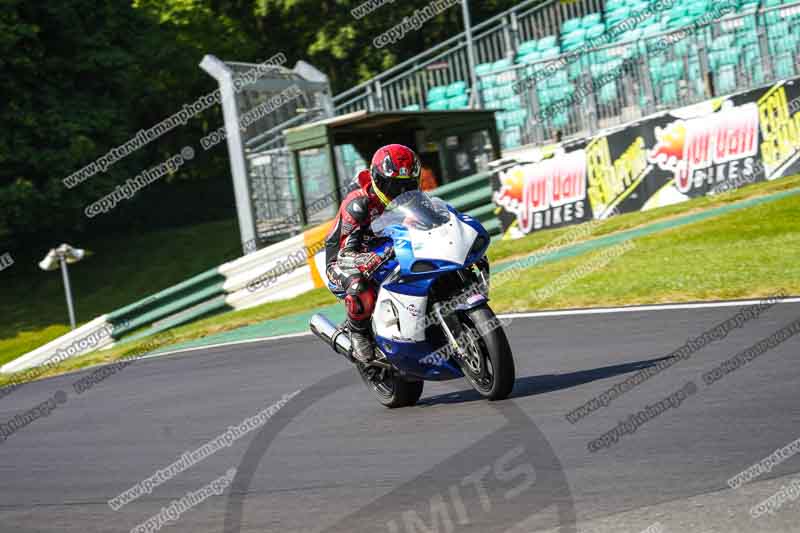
378 95
644 66
473 97
705 72
510 36
763 47
592 97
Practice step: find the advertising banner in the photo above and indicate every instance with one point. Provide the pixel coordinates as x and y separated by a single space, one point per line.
703 149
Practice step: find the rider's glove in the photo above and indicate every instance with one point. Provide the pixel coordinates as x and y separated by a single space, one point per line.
366 262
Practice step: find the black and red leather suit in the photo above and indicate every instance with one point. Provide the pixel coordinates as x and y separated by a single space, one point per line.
348 261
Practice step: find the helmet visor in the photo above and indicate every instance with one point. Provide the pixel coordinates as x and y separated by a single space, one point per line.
394 187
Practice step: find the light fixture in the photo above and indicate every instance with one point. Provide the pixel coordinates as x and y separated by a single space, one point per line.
64 255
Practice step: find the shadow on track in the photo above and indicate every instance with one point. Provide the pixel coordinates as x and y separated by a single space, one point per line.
533 385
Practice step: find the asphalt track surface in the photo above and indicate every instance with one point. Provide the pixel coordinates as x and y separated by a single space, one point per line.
333 459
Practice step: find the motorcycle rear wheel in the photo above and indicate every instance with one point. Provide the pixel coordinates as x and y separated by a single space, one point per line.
390 389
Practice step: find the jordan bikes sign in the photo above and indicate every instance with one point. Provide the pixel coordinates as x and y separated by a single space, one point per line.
703 149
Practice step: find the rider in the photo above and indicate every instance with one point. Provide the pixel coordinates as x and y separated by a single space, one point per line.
394 170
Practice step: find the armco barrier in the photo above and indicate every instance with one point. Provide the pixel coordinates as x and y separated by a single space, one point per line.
281 271
77 342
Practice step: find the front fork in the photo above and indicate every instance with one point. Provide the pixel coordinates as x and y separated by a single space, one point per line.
449 321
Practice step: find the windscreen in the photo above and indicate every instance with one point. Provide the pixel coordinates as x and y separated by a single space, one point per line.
413 209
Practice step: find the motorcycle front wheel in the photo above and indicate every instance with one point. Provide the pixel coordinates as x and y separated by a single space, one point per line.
487 361
391 390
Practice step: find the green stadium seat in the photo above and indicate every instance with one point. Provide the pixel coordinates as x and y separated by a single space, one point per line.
550 53
569 26
618 15
723 42
593 32
482 71
456 89
527 47
725 82
438 105
545 43
511 104
531 57
669 92
559 120
591 20
436 93
458 102
483 68
608 93
412 107
784 66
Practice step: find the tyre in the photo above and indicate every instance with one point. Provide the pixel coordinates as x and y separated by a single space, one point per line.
389 388
487 363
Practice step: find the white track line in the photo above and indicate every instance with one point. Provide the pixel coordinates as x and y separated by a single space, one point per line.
537 314
644 308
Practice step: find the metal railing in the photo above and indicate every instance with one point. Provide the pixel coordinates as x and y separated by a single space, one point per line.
654 73
493 39
664 71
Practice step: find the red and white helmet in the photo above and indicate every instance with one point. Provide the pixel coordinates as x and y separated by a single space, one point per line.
395 169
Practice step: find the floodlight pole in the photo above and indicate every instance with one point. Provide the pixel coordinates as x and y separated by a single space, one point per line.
473 97
67 289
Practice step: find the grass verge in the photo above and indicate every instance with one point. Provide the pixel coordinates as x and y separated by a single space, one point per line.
120 270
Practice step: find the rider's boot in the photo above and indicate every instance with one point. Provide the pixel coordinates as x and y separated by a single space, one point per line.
361 339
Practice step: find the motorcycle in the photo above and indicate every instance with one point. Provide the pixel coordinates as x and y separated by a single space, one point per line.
432 320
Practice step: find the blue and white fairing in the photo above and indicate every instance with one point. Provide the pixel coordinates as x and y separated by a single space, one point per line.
430 238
